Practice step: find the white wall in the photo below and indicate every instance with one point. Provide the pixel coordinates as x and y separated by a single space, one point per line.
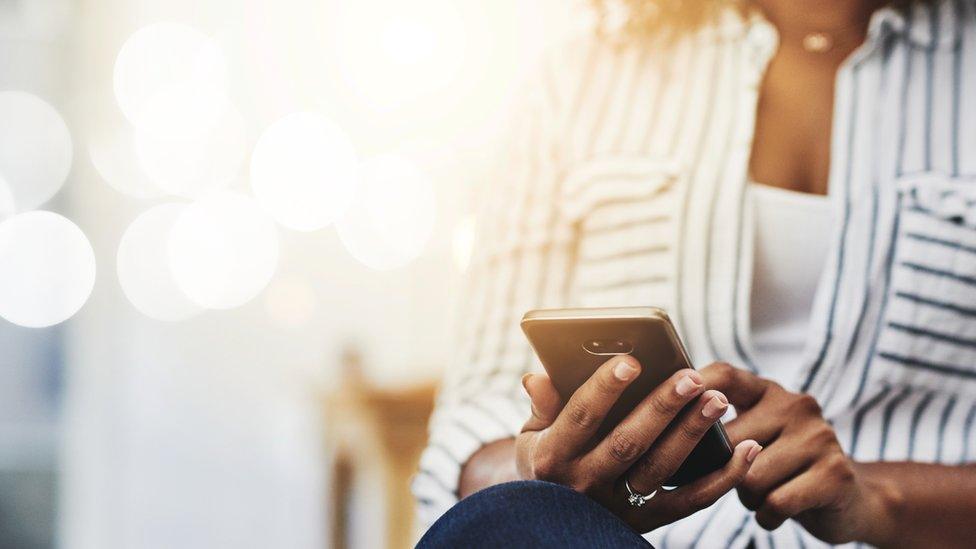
206 433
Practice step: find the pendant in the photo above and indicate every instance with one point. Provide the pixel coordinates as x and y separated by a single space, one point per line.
817 42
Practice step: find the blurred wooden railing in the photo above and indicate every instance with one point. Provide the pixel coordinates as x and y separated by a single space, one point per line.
377 434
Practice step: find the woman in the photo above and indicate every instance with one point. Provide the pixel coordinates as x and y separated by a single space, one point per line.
796 184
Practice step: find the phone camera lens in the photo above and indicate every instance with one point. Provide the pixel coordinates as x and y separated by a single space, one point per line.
607 347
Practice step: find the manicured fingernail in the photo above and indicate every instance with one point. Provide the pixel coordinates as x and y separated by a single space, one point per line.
687 386
715 406
753 452
624 371
525 382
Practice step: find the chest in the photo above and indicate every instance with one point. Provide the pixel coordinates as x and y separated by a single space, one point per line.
791 146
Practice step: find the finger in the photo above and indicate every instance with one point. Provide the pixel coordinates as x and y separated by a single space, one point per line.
777 411
705 491
743 389
642 426
789 500
779 463
546 401
579 420
670 450
758 423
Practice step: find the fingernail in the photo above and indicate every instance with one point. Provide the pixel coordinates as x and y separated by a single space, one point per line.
753 452
624 371
715 406
687 386
525 382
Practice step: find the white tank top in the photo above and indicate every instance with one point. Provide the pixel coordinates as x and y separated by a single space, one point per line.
792 237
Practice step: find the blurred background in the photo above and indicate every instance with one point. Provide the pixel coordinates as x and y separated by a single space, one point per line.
231 237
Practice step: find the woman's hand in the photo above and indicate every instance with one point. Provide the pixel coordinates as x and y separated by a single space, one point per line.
557 443
803 473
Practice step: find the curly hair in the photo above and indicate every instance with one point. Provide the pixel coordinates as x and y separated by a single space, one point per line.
636 18
641 18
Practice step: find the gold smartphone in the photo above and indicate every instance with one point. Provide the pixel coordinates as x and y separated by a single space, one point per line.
573 343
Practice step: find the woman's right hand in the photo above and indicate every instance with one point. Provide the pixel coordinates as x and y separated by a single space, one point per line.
556 444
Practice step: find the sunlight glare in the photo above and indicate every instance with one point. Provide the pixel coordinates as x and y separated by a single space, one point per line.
169 79
48 269
35 149
112 153
417 48
193 166
223 250
144 273
408 42
392 217
463 243
303 171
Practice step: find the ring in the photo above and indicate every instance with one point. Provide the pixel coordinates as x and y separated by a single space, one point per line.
636 499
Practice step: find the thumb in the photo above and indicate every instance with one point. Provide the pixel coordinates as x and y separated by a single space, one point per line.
546 402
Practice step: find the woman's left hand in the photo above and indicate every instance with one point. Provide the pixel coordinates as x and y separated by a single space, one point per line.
803 473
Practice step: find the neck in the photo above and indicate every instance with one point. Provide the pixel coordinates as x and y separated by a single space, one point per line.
790 16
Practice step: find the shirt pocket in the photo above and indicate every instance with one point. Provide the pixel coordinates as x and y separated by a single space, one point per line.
928 331
623 211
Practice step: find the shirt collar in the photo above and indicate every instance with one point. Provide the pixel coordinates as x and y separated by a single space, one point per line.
934 25
927 25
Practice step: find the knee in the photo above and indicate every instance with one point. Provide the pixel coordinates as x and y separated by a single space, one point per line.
515 499
529 514
512 507
521 491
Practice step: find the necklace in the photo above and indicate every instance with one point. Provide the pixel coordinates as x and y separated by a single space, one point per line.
821 41
817 42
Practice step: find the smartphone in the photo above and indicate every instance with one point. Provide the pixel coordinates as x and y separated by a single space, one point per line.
573 343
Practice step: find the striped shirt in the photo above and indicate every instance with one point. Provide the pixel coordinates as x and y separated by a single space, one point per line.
625 185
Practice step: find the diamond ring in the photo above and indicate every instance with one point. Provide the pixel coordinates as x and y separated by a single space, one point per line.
636 499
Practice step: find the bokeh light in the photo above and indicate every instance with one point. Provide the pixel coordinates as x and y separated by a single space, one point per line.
144 269
408 42
195 165
223 250
187 110
48 269
304 170
112 153
35 149
392 216
414 49
169 80
462 243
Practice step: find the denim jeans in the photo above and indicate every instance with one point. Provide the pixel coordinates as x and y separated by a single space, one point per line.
530 514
